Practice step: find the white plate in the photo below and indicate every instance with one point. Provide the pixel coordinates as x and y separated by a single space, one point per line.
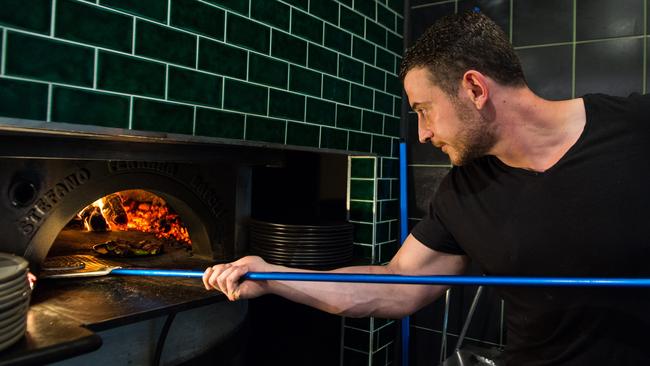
14 336
11 266
13 281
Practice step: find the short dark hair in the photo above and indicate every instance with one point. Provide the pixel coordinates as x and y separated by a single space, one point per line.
460 42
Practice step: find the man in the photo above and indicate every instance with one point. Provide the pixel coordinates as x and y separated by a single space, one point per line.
539 188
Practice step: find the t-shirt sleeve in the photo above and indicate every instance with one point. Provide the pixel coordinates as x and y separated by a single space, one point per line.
432 232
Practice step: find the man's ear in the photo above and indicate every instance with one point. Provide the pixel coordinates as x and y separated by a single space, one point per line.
475 85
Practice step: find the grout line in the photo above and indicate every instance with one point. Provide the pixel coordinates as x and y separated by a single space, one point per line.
511 19
3 61
131 113
166 82
573 51
169 11
456 7
645 46
286 129
196 64
431 4
49 103
245 124
225 27
95 68
53 18
133 38
194 122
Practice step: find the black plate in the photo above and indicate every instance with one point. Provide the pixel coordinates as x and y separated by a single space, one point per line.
317 236
300 228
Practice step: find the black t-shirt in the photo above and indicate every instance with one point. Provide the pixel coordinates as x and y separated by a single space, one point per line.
588 215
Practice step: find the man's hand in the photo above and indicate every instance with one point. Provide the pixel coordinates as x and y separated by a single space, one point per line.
226 278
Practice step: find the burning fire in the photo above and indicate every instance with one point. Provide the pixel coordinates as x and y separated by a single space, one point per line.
135 210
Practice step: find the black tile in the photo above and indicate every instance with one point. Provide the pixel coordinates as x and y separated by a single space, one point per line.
422 153
194 87
223 59
32 15
246 33
541 22
612 67
219 124
265 129
165 43
423 181
596 19
89 24
50 60
23 99
548 70
423 17
89 108
197 17
151 115
497 10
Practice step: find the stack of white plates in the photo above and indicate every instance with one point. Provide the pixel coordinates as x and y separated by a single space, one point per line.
14 299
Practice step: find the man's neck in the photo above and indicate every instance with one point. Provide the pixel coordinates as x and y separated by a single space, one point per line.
535 133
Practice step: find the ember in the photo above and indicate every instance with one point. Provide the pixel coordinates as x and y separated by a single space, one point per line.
135 210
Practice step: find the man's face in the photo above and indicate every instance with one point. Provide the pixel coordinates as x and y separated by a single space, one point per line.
452 124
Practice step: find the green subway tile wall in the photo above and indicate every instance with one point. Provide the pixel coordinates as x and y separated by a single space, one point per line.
333 63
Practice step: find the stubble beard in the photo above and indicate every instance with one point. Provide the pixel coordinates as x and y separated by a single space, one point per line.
476 138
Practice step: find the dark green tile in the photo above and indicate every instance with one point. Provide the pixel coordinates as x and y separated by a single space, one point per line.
346 2
332 138
337 39
359 141
197 17
194 87
89 108
363 50
362 189
154 9
362 254
387 251
393 85
397 107
372 122
348 117
383 102
374 77
45 59
304 25
357 339
399 28
389 168
394 194
288 47
366 7
268 71
163 43
363 232
222 59
302 4
352 21
359 323
395 144
130 75
272 13
389 210
245 97
89 24
336 89
381 232
302 135
383 189
385 60
397 6
151 115
219 124
286 105
361 211
362 167
350 69
381 145
321 112
375 33
304 80
326 10
361 96
391 126
32 15
246 33
395 43
322 59
23 99
235 5
385 17
265 129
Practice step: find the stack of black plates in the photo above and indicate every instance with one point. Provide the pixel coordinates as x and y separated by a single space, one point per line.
308 246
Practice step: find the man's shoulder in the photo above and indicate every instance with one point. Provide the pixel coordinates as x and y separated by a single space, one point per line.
633 103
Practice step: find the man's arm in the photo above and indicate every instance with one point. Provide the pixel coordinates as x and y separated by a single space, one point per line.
347 299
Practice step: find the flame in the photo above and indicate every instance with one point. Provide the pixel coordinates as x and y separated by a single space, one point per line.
145 212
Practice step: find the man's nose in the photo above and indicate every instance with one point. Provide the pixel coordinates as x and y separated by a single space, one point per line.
424 134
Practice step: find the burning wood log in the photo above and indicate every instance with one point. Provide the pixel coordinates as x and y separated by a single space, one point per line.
93 219
113 211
